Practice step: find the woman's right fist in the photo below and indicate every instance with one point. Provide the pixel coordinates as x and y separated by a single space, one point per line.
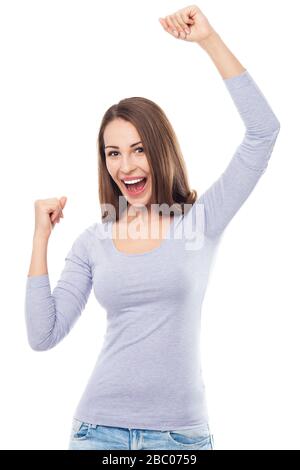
47 213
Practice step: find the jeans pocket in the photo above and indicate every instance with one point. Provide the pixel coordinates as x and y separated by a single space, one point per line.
198 436
80 429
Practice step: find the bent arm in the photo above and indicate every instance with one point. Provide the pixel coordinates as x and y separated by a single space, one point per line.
50 316
227 194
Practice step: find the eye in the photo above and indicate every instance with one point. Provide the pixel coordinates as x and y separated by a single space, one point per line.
110 154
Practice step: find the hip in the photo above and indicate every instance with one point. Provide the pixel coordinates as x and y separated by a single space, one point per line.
89 436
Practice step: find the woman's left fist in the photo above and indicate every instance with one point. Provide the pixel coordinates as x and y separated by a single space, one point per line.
189 24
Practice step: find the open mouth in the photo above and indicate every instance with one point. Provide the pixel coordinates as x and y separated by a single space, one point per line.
135 188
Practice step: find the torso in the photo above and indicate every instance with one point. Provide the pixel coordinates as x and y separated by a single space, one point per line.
145 243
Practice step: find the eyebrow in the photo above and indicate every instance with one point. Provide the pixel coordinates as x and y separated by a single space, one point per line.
116 147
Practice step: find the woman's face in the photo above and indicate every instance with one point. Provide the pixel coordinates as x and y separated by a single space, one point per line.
126 160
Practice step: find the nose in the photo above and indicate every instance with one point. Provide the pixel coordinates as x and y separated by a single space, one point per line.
126 164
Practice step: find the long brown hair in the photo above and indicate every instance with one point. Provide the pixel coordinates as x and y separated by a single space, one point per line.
167 166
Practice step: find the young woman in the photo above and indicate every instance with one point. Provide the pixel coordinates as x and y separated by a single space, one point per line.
147 390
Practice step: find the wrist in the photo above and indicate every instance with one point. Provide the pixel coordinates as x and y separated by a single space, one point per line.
209 40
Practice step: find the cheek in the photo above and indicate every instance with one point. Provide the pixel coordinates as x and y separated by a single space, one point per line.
110 168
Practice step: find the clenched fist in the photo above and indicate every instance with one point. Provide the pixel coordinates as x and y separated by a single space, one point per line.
189 24
47 213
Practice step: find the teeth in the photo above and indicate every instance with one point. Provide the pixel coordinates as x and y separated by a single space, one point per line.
133 181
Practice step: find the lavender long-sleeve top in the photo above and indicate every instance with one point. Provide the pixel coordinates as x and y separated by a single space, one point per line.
148 373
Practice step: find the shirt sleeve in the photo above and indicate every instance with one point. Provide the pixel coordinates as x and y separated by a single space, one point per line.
50 316
227 194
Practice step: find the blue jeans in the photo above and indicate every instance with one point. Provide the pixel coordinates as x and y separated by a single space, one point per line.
86 436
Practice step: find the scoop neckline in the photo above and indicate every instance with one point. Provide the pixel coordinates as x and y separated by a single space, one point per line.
153 251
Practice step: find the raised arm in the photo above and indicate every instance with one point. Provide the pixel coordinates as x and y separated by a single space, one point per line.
227 194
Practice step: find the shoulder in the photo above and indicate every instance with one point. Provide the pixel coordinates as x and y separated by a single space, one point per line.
86 245
99 230
88 238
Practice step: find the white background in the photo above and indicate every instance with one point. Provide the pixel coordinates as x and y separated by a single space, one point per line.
63 64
